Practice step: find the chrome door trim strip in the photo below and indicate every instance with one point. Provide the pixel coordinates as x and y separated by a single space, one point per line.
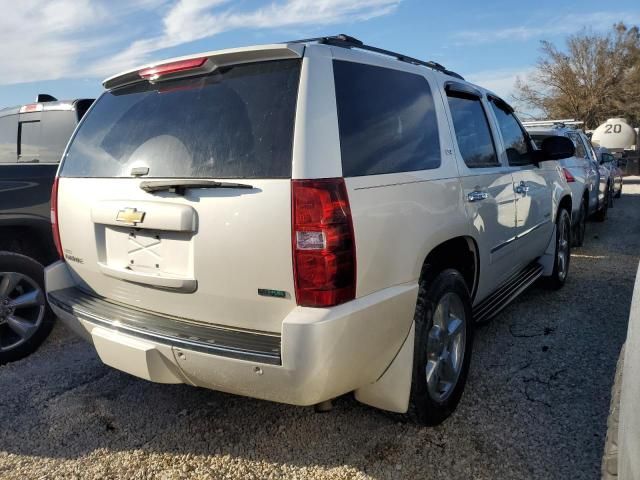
519 236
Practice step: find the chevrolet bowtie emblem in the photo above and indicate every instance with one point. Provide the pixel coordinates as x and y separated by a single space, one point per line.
130 215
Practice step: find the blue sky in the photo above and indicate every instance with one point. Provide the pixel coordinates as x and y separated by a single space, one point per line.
66 47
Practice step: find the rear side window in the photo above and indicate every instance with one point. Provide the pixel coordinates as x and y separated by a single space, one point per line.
514 137
386 119
8 138
56 128
29 141
44 140
581 152
234 123
472 131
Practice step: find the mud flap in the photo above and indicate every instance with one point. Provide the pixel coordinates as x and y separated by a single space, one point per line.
391 391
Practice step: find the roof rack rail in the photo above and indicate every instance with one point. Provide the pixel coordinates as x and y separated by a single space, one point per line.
345 41
553 123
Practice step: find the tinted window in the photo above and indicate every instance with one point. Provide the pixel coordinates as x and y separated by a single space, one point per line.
29 141
386 119
537 139
515 140
591 153
472 131
581 152
56 128
81 107
234 123
8 138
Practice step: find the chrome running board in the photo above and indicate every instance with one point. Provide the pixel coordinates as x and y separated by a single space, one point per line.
506 293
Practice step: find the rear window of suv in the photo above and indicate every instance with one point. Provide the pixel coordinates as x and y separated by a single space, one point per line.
386 119
234 123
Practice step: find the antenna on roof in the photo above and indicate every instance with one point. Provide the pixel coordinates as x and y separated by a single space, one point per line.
346 41
45 97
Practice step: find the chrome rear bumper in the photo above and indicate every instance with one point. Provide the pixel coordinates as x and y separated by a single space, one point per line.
239 344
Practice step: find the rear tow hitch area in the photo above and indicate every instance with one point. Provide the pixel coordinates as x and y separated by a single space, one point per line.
323 407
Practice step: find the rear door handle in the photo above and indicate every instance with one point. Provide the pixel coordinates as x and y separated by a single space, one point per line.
522 188
477 196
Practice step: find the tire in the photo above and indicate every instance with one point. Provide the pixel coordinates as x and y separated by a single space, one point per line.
611 196
610 456
581 226
25 323
601 215
562 256
433 402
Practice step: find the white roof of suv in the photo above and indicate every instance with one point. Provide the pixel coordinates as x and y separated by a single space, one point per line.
291 49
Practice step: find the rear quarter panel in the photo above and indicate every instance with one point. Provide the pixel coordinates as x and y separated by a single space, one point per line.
398 219
25 191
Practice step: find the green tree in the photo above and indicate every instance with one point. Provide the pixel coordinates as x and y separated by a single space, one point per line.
596 77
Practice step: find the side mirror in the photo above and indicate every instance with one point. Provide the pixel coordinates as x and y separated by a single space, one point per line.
557 148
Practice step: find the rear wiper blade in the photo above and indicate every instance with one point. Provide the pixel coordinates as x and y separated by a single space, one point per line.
180 186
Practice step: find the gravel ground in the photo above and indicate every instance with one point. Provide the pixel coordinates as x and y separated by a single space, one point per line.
535 406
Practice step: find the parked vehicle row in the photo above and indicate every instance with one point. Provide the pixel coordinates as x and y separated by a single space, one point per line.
592 180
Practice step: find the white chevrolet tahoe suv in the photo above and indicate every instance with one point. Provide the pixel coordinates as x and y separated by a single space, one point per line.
298 221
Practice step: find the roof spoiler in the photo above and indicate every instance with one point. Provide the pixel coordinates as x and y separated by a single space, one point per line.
214 60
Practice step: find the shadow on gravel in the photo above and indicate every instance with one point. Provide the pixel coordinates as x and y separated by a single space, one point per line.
535 405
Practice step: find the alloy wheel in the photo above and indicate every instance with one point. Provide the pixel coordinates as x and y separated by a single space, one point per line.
22 309
445 347
563 249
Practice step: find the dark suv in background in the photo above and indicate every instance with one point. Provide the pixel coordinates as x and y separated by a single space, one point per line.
32 140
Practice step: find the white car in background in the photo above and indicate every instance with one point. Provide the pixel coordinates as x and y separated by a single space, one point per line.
612 164
589 186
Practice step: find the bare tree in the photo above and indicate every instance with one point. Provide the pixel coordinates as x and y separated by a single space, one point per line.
595 78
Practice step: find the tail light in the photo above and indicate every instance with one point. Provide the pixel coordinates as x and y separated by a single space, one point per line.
324 256
32 107
54 218
154 73
567 175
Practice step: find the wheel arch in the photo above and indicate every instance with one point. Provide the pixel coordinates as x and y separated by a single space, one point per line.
565 202
30 240
460 253
392 390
